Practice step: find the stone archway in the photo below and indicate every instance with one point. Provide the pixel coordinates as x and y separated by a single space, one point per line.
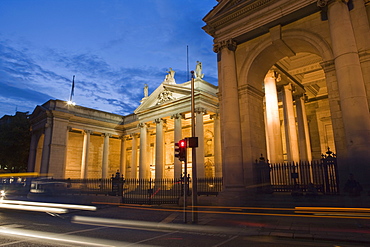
294 45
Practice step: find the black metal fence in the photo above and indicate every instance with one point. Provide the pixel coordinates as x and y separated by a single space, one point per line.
132 190
152 191
321 175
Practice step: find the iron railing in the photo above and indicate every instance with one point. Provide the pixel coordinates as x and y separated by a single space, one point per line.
322 175
132 190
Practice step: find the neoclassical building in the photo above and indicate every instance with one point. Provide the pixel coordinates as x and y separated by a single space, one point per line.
294 79
70 141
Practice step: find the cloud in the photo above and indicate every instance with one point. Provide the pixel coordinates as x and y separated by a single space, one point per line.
128 47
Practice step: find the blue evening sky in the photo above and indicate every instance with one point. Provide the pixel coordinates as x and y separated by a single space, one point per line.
113 47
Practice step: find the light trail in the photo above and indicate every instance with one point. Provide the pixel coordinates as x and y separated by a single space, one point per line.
66 238
153 226
313 215
44 204
360 212
34 208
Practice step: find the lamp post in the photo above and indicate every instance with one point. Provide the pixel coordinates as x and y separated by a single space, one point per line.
194 155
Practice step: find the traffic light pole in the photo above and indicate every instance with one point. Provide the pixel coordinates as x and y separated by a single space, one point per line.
185 187
194 155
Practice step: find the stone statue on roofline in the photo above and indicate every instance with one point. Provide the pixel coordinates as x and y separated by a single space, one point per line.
198 71
170 77
146 93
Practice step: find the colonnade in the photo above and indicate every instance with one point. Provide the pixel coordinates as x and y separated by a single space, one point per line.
349 106
297 139
141 155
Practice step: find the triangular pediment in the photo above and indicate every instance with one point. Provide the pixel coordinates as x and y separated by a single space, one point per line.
40 111
225 6
163 94
168 93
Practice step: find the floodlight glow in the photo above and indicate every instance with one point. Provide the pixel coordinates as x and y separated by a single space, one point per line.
69 102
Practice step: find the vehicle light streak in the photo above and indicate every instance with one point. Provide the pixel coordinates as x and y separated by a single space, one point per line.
67 238
44 204
154 226
363 210
260 214
322 211
34 208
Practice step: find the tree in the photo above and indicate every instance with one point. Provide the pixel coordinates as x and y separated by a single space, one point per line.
15 139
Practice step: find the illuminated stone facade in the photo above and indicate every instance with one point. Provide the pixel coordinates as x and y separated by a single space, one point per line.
70 141
294 79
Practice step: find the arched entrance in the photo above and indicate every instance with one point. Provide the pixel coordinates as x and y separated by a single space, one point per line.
315 58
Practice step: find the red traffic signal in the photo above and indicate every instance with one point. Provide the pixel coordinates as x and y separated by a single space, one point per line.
182 143
180 150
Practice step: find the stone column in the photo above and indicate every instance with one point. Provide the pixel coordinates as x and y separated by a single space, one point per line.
85 154
290 125
232 155
177 137
352 91
56 163
273 134
144 168
360 22
132 173
105 156
159 149
33 150
122 163
303 131
38 159
46 147
217 145
199 132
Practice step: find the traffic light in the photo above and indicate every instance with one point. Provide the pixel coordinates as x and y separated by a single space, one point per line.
180 150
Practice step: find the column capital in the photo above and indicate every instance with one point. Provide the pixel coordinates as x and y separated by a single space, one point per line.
324 3
274 75
124 137
328 66
288 86
200 110
106 134
133 135
87 132
177 116
159 120
215 116
142 125
299 96
229 44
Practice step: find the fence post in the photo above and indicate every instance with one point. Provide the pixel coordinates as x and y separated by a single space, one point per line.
263 181
150 191
330 173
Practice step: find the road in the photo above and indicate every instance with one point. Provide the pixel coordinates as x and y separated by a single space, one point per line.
125 225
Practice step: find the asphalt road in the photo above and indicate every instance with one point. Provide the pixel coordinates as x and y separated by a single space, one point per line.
120 226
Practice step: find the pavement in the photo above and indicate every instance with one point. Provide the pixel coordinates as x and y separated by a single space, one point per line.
248 221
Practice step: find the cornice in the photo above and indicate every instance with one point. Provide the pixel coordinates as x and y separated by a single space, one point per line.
257 16
238 10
